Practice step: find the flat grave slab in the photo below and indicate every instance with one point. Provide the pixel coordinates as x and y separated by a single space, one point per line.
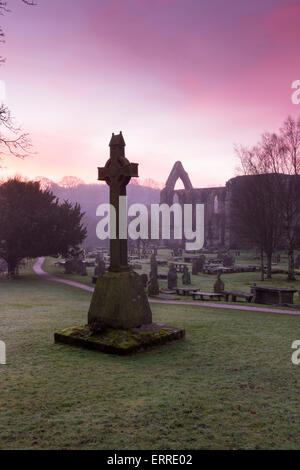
272 295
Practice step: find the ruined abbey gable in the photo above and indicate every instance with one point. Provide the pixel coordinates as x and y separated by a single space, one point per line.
216 205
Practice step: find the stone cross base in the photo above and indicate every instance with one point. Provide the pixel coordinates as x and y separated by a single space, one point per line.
121 342
120 301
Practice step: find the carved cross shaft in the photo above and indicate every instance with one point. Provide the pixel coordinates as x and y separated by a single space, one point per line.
117 173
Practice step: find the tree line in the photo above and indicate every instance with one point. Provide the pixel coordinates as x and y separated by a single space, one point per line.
34 223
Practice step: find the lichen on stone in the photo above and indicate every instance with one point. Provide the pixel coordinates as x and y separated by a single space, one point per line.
119 341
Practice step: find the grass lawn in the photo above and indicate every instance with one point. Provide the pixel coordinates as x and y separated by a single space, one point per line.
229 385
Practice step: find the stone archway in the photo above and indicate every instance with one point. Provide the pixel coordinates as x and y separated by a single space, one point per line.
178 172
169 195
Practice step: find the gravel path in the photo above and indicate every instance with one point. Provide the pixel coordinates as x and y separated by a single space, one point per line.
48 277
40 272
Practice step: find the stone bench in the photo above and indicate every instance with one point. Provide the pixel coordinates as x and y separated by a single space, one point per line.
185 290
210 295
236 293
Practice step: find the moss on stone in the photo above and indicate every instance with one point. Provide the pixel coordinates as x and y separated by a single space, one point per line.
119 341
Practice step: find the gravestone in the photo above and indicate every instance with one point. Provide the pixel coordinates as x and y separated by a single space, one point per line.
73 265
195 267
119 298
219 285
144 279
99 257
186 277
69 266
198 264
153 264
83 270
201 263
172 277
153 287
228 260
100 267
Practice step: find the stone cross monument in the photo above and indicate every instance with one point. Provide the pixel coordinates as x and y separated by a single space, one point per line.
119 299
117 173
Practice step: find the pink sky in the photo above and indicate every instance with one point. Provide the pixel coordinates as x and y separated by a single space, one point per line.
183 79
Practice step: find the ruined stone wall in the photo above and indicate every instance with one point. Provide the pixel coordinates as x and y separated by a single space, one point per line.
218 203
215 206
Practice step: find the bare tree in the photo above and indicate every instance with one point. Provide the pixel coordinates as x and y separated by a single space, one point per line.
282 155
4 8
277 157
255 206
13 140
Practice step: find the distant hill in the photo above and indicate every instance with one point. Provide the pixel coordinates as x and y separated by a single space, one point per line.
89 196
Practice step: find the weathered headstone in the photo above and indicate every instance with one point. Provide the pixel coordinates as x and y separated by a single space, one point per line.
69 266
153 264
153 287
100 267
219 285
201 263
98 258
172 277
186 277
195 267
228 260
119 298
198 264
83 270
144 279
73 264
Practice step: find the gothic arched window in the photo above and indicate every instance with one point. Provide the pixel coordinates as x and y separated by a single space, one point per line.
216 205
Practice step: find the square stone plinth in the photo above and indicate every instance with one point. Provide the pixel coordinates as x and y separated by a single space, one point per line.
119 301
117 341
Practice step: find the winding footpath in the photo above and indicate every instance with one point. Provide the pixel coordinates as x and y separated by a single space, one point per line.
49 277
